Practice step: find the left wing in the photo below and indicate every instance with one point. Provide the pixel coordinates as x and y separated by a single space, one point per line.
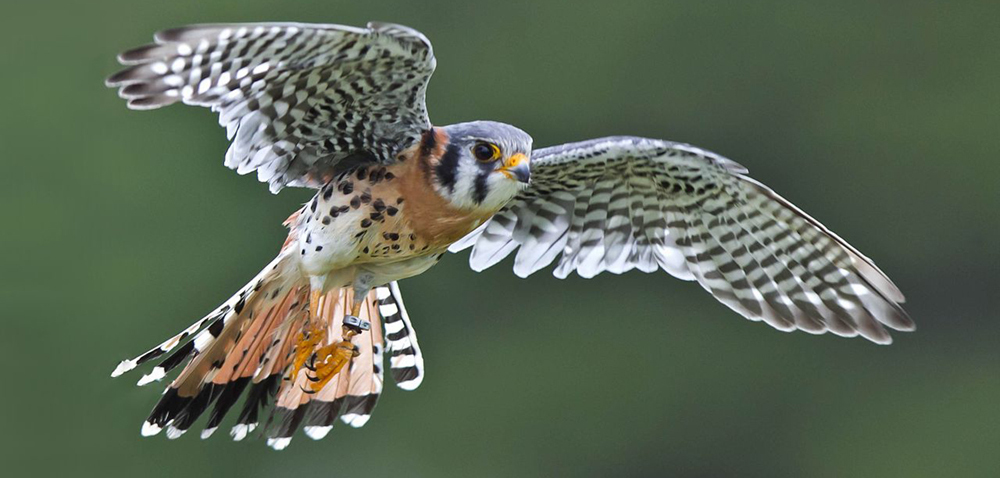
622 203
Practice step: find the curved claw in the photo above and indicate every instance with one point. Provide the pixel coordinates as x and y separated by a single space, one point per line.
307 391
307 342
310 365
331 360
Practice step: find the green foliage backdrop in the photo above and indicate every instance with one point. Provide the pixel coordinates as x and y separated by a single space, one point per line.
879 118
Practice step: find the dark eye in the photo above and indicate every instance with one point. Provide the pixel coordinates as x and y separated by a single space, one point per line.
485 151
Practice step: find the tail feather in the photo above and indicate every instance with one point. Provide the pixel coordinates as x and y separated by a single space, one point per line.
246 346
196 387
405 361
351 395
218 319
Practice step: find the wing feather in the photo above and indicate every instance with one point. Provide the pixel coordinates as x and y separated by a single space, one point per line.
296 99
620 203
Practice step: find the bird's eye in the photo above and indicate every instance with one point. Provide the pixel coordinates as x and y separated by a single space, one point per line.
485 151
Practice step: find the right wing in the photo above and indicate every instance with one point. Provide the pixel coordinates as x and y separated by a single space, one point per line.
296 99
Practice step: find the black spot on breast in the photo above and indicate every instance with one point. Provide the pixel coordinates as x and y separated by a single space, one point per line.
391 211
348 187
379 205
355 202
319 248
366 222
326 220
366 197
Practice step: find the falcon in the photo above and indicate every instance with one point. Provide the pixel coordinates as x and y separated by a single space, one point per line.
342 110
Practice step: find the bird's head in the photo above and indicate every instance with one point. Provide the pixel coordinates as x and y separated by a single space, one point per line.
483 166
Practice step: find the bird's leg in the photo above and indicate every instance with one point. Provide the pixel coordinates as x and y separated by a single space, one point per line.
329 360
313 334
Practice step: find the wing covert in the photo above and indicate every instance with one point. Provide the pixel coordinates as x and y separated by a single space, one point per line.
295 99
622 203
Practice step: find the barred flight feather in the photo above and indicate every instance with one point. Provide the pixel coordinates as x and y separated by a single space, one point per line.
622 203
296 99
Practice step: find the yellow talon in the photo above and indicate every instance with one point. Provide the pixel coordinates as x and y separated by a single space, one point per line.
326 362
329 361
306 343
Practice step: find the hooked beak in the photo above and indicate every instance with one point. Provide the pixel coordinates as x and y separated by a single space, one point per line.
516 167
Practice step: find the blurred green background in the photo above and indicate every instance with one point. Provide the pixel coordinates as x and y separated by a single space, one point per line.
879 118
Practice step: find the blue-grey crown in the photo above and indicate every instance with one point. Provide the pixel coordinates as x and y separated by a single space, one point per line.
509 138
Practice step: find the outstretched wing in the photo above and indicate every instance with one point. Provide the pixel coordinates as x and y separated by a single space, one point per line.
296 99
616 204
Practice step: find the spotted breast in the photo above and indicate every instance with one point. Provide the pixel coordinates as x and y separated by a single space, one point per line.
386 220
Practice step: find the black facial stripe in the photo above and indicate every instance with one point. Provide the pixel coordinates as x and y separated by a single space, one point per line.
479 191
447 169
427 142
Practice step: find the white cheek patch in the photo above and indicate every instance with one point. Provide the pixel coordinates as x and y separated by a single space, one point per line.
465 184
499 190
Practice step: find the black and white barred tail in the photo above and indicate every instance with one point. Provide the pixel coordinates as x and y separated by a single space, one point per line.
246 344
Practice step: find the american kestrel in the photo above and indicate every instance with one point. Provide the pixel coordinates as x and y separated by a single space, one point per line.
341 110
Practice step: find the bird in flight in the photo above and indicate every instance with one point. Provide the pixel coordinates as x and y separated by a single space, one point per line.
342 110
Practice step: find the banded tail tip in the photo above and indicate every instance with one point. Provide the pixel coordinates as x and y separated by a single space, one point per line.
149 429
153 376
174 433
239 432
279 443
208 432
123 366
355 420
318 432
411 385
